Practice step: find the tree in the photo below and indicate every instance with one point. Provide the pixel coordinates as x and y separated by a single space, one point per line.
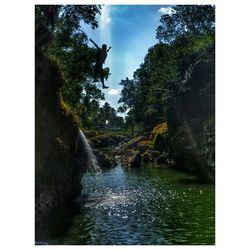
185 19
128 98
127 94
68 17
69 50
162 78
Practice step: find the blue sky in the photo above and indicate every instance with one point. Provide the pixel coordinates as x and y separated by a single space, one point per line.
130 30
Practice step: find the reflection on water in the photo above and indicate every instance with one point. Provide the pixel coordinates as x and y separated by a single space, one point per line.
142 206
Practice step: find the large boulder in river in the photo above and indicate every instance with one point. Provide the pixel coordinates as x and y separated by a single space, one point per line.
105 160
142 146
135 160
131 158
105 139
134 142
101 141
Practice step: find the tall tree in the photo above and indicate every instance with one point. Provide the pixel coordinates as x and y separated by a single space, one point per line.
184 19
69 49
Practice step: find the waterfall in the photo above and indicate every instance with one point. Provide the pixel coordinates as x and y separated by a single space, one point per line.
92 162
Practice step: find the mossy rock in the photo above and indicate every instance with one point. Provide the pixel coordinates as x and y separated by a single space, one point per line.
134 142
131 158
160 142
161 128
158 136
102 141
105 160
142 146
134 160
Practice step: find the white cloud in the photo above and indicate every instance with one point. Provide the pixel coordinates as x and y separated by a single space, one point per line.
167 10
114 92
102 102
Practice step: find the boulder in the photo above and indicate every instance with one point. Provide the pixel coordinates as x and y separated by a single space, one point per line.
105 139
105 160
142 146
133 143
158 136
161 128
131 158
101 141
134 160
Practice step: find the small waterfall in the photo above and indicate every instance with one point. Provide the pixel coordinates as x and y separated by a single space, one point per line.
92 162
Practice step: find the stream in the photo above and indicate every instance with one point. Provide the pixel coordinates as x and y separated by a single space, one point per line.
147 205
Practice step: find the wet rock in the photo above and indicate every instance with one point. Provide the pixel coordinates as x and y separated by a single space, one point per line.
161 128
102 141
105 160
160 142
142 146
105 140
133 143
158 136
150 156
131 158
163 158
134 160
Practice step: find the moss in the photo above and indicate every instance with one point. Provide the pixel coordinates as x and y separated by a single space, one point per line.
142 146
103 138
158 136
132 158
133 143
66 109
161 128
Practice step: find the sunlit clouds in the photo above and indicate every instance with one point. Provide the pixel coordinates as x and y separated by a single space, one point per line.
114 92
166 10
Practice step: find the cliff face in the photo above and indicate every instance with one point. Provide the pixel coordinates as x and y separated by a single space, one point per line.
57 173
192 121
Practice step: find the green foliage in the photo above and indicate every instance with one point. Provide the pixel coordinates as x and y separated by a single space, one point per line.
128 94
186 19
76 60
176 83
68 17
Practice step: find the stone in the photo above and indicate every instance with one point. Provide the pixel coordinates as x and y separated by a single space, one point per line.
133 143
134 160
131 158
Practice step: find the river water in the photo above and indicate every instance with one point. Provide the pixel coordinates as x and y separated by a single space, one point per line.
147 205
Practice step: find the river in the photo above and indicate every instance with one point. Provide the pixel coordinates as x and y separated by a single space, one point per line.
147 205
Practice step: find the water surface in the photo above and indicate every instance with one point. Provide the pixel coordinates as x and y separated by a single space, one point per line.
146 205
